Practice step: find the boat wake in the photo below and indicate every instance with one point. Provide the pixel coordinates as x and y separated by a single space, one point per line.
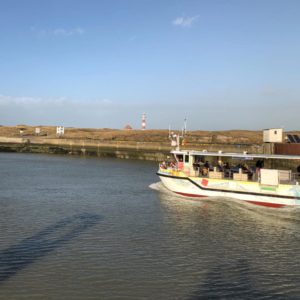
157 186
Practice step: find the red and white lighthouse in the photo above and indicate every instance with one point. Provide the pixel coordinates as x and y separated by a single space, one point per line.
143 121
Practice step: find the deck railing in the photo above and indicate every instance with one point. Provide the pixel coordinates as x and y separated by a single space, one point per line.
235 174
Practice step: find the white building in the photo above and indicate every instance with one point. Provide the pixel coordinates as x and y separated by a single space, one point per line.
60 130
274 135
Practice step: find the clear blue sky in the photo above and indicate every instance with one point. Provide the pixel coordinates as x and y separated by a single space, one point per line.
223 64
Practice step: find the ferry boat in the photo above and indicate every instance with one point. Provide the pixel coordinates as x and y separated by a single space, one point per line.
246 177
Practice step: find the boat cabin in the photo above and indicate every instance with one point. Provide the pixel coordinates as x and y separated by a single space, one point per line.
238 166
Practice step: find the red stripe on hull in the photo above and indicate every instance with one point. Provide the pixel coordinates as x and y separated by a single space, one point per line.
267 204
277 205
190 195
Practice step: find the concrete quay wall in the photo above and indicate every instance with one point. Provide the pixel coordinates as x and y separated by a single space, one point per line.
120 149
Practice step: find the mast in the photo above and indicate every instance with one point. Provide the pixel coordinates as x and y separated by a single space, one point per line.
175 137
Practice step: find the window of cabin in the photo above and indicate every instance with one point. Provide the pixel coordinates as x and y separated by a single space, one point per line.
179 157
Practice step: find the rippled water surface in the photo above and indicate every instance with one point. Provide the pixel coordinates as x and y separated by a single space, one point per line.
76 228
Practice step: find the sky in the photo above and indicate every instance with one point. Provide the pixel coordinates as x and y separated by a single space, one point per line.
222 64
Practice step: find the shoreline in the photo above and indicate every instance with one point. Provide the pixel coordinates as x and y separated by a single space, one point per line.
126 144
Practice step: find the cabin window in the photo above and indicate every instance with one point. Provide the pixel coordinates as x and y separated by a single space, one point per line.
186 158
180 157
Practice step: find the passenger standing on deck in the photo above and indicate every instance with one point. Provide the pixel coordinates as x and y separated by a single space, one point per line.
220 166
205 169
259 165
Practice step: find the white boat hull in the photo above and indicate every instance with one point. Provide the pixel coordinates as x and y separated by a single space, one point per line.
283 195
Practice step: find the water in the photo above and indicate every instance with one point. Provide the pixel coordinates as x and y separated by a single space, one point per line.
76 228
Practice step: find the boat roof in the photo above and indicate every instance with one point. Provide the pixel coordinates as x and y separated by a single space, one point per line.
237 155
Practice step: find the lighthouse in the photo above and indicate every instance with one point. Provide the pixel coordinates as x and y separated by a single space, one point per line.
143 121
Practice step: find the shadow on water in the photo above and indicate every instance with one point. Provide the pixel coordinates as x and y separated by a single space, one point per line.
230 280
19 256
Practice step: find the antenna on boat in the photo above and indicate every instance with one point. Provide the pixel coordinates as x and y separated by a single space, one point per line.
184 127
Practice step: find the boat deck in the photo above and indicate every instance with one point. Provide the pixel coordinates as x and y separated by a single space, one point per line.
233 174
